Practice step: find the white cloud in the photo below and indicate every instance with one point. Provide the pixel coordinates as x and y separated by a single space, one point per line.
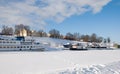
35 12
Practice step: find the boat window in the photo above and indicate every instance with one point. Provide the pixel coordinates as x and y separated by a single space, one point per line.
4 47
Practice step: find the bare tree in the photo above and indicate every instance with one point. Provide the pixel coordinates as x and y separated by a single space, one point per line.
94 37
7 30
41 33
69 36
54 33
18 28
86 38
99 39
76 36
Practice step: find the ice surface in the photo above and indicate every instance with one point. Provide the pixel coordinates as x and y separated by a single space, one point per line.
60 62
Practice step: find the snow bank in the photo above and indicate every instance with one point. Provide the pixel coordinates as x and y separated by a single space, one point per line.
112 68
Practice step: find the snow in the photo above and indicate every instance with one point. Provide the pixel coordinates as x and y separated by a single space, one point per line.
112 68
60 62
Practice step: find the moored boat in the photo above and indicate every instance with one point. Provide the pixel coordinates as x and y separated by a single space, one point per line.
78 46
19 44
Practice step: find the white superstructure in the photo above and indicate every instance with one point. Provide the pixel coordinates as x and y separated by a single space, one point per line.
19 43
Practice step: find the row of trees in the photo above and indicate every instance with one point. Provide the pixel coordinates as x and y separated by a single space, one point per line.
53 34
78 37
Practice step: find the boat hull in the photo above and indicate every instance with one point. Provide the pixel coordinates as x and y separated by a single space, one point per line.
78 49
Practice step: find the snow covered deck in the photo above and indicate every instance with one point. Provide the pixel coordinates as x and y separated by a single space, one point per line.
53 61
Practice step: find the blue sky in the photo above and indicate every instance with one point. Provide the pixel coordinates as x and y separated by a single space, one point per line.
84 16
106 23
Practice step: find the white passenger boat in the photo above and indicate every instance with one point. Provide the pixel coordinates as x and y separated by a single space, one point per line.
19 44
78 46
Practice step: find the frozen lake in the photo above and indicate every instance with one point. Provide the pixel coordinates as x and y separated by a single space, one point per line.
40 62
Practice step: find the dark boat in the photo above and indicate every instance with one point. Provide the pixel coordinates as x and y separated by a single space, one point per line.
67 46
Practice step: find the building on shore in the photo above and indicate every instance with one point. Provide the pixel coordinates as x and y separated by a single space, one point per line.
23 32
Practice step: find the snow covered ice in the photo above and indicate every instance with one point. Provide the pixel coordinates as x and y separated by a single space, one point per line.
61 62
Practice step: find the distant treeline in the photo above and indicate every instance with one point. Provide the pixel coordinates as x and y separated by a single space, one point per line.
53 33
